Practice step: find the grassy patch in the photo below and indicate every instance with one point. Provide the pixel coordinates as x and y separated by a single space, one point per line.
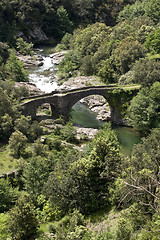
7 162
44 228
100 215
104 221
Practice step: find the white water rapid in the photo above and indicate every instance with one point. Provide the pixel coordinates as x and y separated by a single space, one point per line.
44 76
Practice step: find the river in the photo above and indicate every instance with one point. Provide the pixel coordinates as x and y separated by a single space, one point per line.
44 78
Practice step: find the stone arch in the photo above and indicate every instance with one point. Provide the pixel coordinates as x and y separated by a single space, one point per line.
62 101
30 108
97 104
74 97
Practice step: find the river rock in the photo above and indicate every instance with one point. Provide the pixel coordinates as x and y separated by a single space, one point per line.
86 133
98 105
78 82
30 61
35 35
57 57
32 88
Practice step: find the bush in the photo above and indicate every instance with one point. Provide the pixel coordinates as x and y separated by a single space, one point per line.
22 221
15 69
23 47
17 144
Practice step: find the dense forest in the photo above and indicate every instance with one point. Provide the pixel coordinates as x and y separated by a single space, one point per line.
57 191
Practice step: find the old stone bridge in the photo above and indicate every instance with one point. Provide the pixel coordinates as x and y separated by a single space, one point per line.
61 102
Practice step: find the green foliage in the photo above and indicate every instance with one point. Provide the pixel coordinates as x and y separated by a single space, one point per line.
69 132
22 222
65 42
146 72
4 234
31 129
68 65
8 195
152 42
139 182
54 143
132 11
144 109
70 227
87 41
64 23
106 71
23 47
7 105
39 149
14 93
123 230
152 10
17 144
15 70
35 174
46 210
151 229
6 127
87 51
127 53
9 110
97 176
4 52
141 8
83 184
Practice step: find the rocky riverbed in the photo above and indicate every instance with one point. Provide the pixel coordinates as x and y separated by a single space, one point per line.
30 61
95 103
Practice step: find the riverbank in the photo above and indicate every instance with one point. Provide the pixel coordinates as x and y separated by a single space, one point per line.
87 121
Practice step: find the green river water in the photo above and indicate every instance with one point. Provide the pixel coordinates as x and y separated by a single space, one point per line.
82 116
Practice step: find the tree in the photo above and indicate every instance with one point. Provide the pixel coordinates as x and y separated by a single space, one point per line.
140 181
6 105
84 184
4 52
64 23
4 234
152 42
6 127
69 132
22 124
15 69
132 11
39 149
35 175
152 10
31 129
123 230
146 72
22 222
8 195
23 47
17 144
106 71
144 109
126 54
71 227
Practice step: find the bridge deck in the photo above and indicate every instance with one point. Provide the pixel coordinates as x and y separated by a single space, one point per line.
62 92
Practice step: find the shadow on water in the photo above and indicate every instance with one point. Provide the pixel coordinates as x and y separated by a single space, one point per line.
82 116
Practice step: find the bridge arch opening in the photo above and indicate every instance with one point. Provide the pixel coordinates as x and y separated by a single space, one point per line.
91 111
44 110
